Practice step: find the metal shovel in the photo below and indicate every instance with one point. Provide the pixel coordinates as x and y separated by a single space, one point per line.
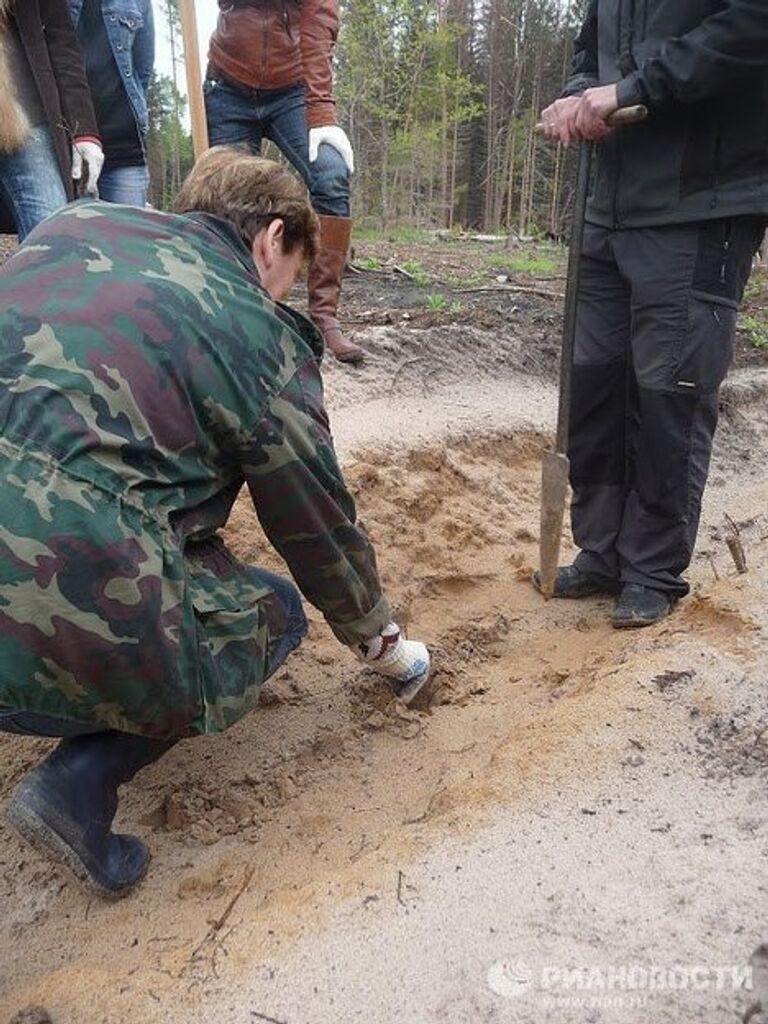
555 465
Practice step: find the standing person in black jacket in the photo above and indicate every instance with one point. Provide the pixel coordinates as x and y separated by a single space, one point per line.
678 207
48 133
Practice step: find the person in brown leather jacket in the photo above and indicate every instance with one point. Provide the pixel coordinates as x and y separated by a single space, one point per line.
269 76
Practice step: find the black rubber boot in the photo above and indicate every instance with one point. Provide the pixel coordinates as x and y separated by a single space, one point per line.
65 808
572 583
640 606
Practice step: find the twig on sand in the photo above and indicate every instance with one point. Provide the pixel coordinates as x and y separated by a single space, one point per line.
264 1016
218 923
735 546
400 880
404 272
399 370
428 809
715 573
518 288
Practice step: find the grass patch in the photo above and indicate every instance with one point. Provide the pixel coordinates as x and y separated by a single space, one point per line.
369 263
472 281
755 331
417 272
522 263
405 235
436 303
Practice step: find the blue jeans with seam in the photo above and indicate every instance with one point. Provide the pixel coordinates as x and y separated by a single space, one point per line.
127 185
241 116
30 181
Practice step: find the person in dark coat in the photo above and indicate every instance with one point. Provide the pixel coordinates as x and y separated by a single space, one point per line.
678 208
48 132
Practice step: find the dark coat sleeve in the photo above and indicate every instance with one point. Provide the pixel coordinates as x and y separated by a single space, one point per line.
68 69
719 54
584 71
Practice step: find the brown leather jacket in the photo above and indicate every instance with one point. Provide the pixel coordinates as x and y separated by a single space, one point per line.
271 44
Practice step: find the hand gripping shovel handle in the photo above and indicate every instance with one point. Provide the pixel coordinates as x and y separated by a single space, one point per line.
555 466
624 115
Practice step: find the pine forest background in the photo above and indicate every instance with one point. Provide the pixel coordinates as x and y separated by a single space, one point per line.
439 98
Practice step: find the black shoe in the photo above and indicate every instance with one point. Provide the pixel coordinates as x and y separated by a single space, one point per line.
65 808
641 606
573 583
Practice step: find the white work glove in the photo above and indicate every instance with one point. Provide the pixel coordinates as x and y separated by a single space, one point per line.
405 662
90 153
331 135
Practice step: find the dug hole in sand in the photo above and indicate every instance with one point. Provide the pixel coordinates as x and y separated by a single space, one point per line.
567 801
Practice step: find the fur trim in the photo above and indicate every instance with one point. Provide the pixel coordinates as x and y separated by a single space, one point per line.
14 126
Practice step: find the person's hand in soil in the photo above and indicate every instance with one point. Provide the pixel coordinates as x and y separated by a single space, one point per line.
404 662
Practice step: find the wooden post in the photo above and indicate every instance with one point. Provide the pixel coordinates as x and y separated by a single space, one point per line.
194 79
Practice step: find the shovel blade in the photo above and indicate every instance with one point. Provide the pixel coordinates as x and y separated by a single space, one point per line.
554 491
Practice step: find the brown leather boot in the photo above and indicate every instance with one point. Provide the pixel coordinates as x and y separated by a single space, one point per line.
324 283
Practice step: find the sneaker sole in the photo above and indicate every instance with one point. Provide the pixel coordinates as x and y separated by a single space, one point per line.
49 844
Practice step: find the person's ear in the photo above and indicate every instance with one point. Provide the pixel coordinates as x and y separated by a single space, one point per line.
273 240
267 244
275 237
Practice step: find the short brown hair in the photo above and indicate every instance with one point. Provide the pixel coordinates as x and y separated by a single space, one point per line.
250 192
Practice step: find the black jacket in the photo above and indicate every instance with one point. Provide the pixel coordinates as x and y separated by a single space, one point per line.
53 52
701 66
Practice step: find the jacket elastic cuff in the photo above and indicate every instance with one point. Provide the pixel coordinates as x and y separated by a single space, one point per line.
89 138
351 634
577 86
321 114
630 90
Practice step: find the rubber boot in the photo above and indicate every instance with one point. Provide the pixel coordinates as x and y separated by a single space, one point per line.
571 582
640 606
324 283
65 808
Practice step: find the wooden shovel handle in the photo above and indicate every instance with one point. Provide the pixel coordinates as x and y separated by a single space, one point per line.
188 17
624 115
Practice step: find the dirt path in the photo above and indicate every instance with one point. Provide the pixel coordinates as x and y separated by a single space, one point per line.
569 797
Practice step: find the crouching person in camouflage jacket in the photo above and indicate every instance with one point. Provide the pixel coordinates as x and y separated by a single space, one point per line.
147 371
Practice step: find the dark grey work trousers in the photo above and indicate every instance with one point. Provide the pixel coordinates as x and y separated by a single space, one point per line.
655 330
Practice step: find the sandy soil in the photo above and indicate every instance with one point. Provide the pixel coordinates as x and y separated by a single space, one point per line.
565 797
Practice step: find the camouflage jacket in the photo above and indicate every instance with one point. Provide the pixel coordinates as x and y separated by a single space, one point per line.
144 377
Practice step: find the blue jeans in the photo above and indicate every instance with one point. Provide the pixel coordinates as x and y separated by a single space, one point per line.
126 185
32 723
296 625
30 182
238 115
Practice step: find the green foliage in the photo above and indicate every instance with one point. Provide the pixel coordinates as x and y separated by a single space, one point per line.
754 287
755 330
417 272
523 263
436 303
471 281
369 263
405 235
169 145
402 86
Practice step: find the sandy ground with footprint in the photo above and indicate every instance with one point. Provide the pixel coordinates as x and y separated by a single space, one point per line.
566 797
